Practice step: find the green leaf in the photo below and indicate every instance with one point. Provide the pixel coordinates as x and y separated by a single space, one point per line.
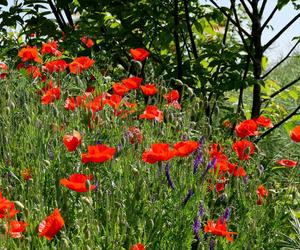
264 62
282 3
3 2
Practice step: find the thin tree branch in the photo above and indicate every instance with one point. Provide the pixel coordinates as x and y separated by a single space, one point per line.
69 15
60 23
277 125
246 9
176 38
228 16
283 60
269 18
189 27
262 8
284 88
240 30
280 32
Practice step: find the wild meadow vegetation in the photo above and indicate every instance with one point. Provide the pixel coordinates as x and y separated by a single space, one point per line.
147 125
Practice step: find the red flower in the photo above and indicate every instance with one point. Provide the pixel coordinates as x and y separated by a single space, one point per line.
152 113
263 121
114 101
287 163
72 141
51 95
262 192
34 71
149 89
87 41
138 246
227 124
51 225
15 228
158 152
132 82
72 102
246 128
80 63
29 53
56 66
120 89
184 148
7 208
50 48
174 104
295 134
78 183
98 153
3 66
139 54
244 149
173 95
219 228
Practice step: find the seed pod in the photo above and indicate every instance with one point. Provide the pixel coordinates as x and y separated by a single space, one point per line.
190 91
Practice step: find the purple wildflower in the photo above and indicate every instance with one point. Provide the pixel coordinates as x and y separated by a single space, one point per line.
201 210
227 214
198 160
246 179
212 244
170 182
211 164
187 197
196 227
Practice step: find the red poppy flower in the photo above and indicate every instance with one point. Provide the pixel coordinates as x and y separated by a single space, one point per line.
33 71
287 163
56 66
246 128
295 134
244 149
26 174
78 183
15 228
220 185
184 148
29 53
132 82
3 66
227 124
263 121
87 41
174 104
50 48
98 153
149 89
262 192
173 95
114 101
80 63
51 225
3 75
51 95
139 54
138 246
120 89
236 171
152 113
219 228
72 103
158 152
72 141
7 208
